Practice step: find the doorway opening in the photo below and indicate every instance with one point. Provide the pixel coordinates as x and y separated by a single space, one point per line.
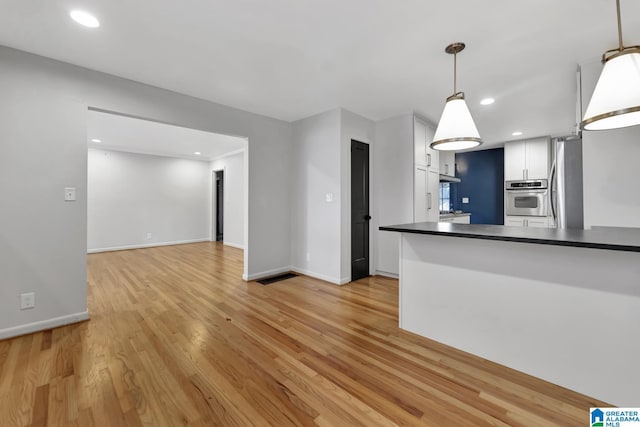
219 208
150 184
360 215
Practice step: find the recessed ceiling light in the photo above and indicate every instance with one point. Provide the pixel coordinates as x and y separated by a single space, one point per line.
96 140
197 153
518 133
487 101
84 18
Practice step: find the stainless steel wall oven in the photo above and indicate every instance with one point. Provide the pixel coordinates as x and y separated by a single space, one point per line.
527 198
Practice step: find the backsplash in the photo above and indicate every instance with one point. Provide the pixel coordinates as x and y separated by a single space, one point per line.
482 176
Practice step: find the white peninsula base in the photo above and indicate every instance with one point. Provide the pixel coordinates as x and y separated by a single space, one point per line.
568 315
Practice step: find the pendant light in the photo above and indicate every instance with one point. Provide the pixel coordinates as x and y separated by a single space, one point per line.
615 102
456 129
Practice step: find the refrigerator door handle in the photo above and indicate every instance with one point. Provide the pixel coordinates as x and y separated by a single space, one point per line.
552 177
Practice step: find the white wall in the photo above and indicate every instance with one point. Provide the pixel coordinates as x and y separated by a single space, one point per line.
315 223
354 126
321 165
393 186
610 167
130 195
43 240
234 198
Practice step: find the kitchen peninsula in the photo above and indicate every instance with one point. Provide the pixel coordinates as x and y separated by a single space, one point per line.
562 305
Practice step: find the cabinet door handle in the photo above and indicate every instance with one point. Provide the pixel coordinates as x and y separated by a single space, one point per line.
428 201
428 159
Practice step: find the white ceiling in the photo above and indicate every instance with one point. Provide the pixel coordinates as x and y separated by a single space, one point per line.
143 136
290 59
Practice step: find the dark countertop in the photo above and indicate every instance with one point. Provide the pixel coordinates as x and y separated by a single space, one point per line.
612 238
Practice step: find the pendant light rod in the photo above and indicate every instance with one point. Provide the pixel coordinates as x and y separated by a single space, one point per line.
621 46
454 49
621 49
455 71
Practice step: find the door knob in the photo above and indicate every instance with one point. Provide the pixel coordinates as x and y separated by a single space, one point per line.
367 217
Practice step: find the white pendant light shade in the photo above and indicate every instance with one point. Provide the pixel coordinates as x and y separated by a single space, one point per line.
615 102
456 129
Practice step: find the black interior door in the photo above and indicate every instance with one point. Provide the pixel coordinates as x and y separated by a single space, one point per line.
219 205
359 210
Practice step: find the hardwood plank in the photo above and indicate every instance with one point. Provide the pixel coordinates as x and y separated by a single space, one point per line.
40 415
177 338
46 340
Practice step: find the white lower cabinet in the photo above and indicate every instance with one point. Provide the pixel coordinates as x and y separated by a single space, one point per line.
538 223
466 219
462 219
514 222
527 221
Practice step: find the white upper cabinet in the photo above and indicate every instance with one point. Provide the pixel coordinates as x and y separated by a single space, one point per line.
423 136
447 163
528 159
426 179
420 147
514 161
537 158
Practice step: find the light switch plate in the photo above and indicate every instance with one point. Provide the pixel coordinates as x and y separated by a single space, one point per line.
69 194
465 200
328 197
27 300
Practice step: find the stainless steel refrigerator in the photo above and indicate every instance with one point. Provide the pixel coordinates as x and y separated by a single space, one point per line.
565 181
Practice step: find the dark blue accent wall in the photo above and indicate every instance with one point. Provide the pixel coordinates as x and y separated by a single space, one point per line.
482 175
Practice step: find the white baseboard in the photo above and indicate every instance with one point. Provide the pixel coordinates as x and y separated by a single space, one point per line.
233 245
263 274
387 274
334 280
43 325
146 245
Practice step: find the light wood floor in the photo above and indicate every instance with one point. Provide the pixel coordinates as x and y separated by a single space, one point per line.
176 338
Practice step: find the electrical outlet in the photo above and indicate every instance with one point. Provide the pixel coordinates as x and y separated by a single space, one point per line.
465 200
149 236
27 300
70 194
